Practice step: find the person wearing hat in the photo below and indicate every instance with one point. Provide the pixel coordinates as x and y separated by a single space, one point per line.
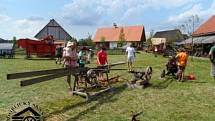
182 58
82 57
70 59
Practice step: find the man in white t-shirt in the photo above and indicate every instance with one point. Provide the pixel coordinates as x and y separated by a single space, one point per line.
131 55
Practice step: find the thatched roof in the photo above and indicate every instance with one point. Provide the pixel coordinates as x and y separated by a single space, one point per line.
170 35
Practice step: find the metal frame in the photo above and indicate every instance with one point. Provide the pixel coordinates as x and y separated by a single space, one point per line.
90 81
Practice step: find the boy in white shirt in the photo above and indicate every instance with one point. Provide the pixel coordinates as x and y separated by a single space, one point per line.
131 55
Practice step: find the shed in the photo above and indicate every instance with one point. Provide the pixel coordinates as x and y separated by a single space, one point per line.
171 36
7 49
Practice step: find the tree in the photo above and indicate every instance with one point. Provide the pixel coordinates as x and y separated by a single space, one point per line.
190 25
71 39
102 39
122 39
148 41
86 41
14 39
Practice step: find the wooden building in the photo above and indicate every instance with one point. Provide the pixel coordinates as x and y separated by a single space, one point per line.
55 30
172 36
112 37
7 50
203 38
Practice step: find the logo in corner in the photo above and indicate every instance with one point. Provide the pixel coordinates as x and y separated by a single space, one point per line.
25 112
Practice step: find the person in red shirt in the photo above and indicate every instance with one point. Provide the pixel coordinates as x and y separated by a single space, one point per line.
102 60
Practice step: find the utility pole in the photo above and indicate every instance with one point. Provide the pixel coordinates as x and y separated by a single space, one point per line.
193 24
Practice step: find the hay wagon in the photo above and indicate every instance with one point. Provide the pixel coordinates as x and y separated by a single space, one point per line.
37 47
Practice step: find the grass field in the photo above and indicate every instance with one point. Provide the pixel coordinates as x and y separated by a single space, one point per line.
165 100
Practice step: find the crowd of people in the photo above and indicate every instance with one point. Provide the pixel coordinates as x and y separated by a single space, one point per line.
71 58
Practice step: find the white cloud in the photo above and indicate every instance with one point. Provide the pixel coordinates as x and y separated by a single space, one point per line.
28 27
196 9
210 11
83 12
22 28
97 12
4 18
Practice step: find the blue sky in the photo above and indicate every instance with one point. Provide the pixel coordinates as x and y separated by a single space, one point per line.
24 18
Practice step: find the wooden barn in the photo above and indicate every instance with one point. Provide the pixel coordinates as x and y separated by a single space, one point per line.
203 38
112 37
59 34
171 36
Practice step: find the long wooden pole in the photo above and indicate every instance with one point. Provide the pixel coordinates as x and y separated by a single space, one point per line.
34 73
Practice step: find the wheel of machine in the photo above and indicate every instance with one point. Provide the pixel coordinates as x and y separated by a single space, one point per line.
92 77
163 73
148 73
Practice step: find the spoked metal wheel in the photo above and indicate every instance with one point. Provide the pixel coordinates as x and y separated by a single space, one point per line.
163 73
92 77
148 73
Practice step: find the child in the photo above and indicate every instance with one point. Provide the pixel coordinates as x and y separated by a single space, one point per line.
171 66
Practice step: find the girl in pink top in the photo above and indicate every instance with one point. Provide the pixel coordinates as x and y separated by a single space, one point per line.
70 59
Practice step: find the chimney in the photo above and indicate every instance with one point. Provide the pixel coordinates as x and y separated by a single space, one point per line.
115 25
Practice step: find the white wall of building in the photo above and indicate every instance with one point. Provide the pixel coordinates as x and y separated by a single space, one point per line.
113 45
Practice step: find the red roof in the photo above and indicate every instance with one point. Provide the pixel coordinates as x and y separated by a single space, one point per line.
132 33
207 28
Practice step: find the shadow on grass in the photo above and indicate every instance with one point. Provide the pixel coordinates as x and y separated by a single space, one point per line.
164 83
39 59
102 99
194 81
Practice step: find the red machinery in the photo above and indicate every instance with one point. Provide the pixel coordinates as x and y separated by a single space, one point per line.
41 48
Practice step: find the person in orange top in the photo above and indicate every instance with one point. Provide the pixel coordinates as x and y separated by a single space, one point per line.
182 58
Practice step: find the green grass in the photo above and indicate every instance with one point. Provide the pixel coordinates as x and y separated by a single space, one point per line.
165 100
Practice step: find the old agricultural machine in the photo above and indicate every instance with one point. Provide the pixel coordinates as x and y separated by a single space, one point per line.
89 86
42 48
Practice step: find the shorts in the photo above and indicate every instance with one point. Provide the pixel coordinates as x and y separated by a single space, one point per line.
59 55
213 70
81 65
130 59
181 68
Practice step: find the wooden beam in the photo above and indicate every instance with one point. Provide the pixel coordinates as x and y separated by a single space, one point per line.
35 73
82 94
114 64
43 78
100 92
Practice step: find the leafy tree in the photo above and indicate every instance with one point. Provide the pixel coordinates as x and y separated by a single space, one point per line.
190 25
14 39
122 39
72 39
148 41
86 41
102 39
